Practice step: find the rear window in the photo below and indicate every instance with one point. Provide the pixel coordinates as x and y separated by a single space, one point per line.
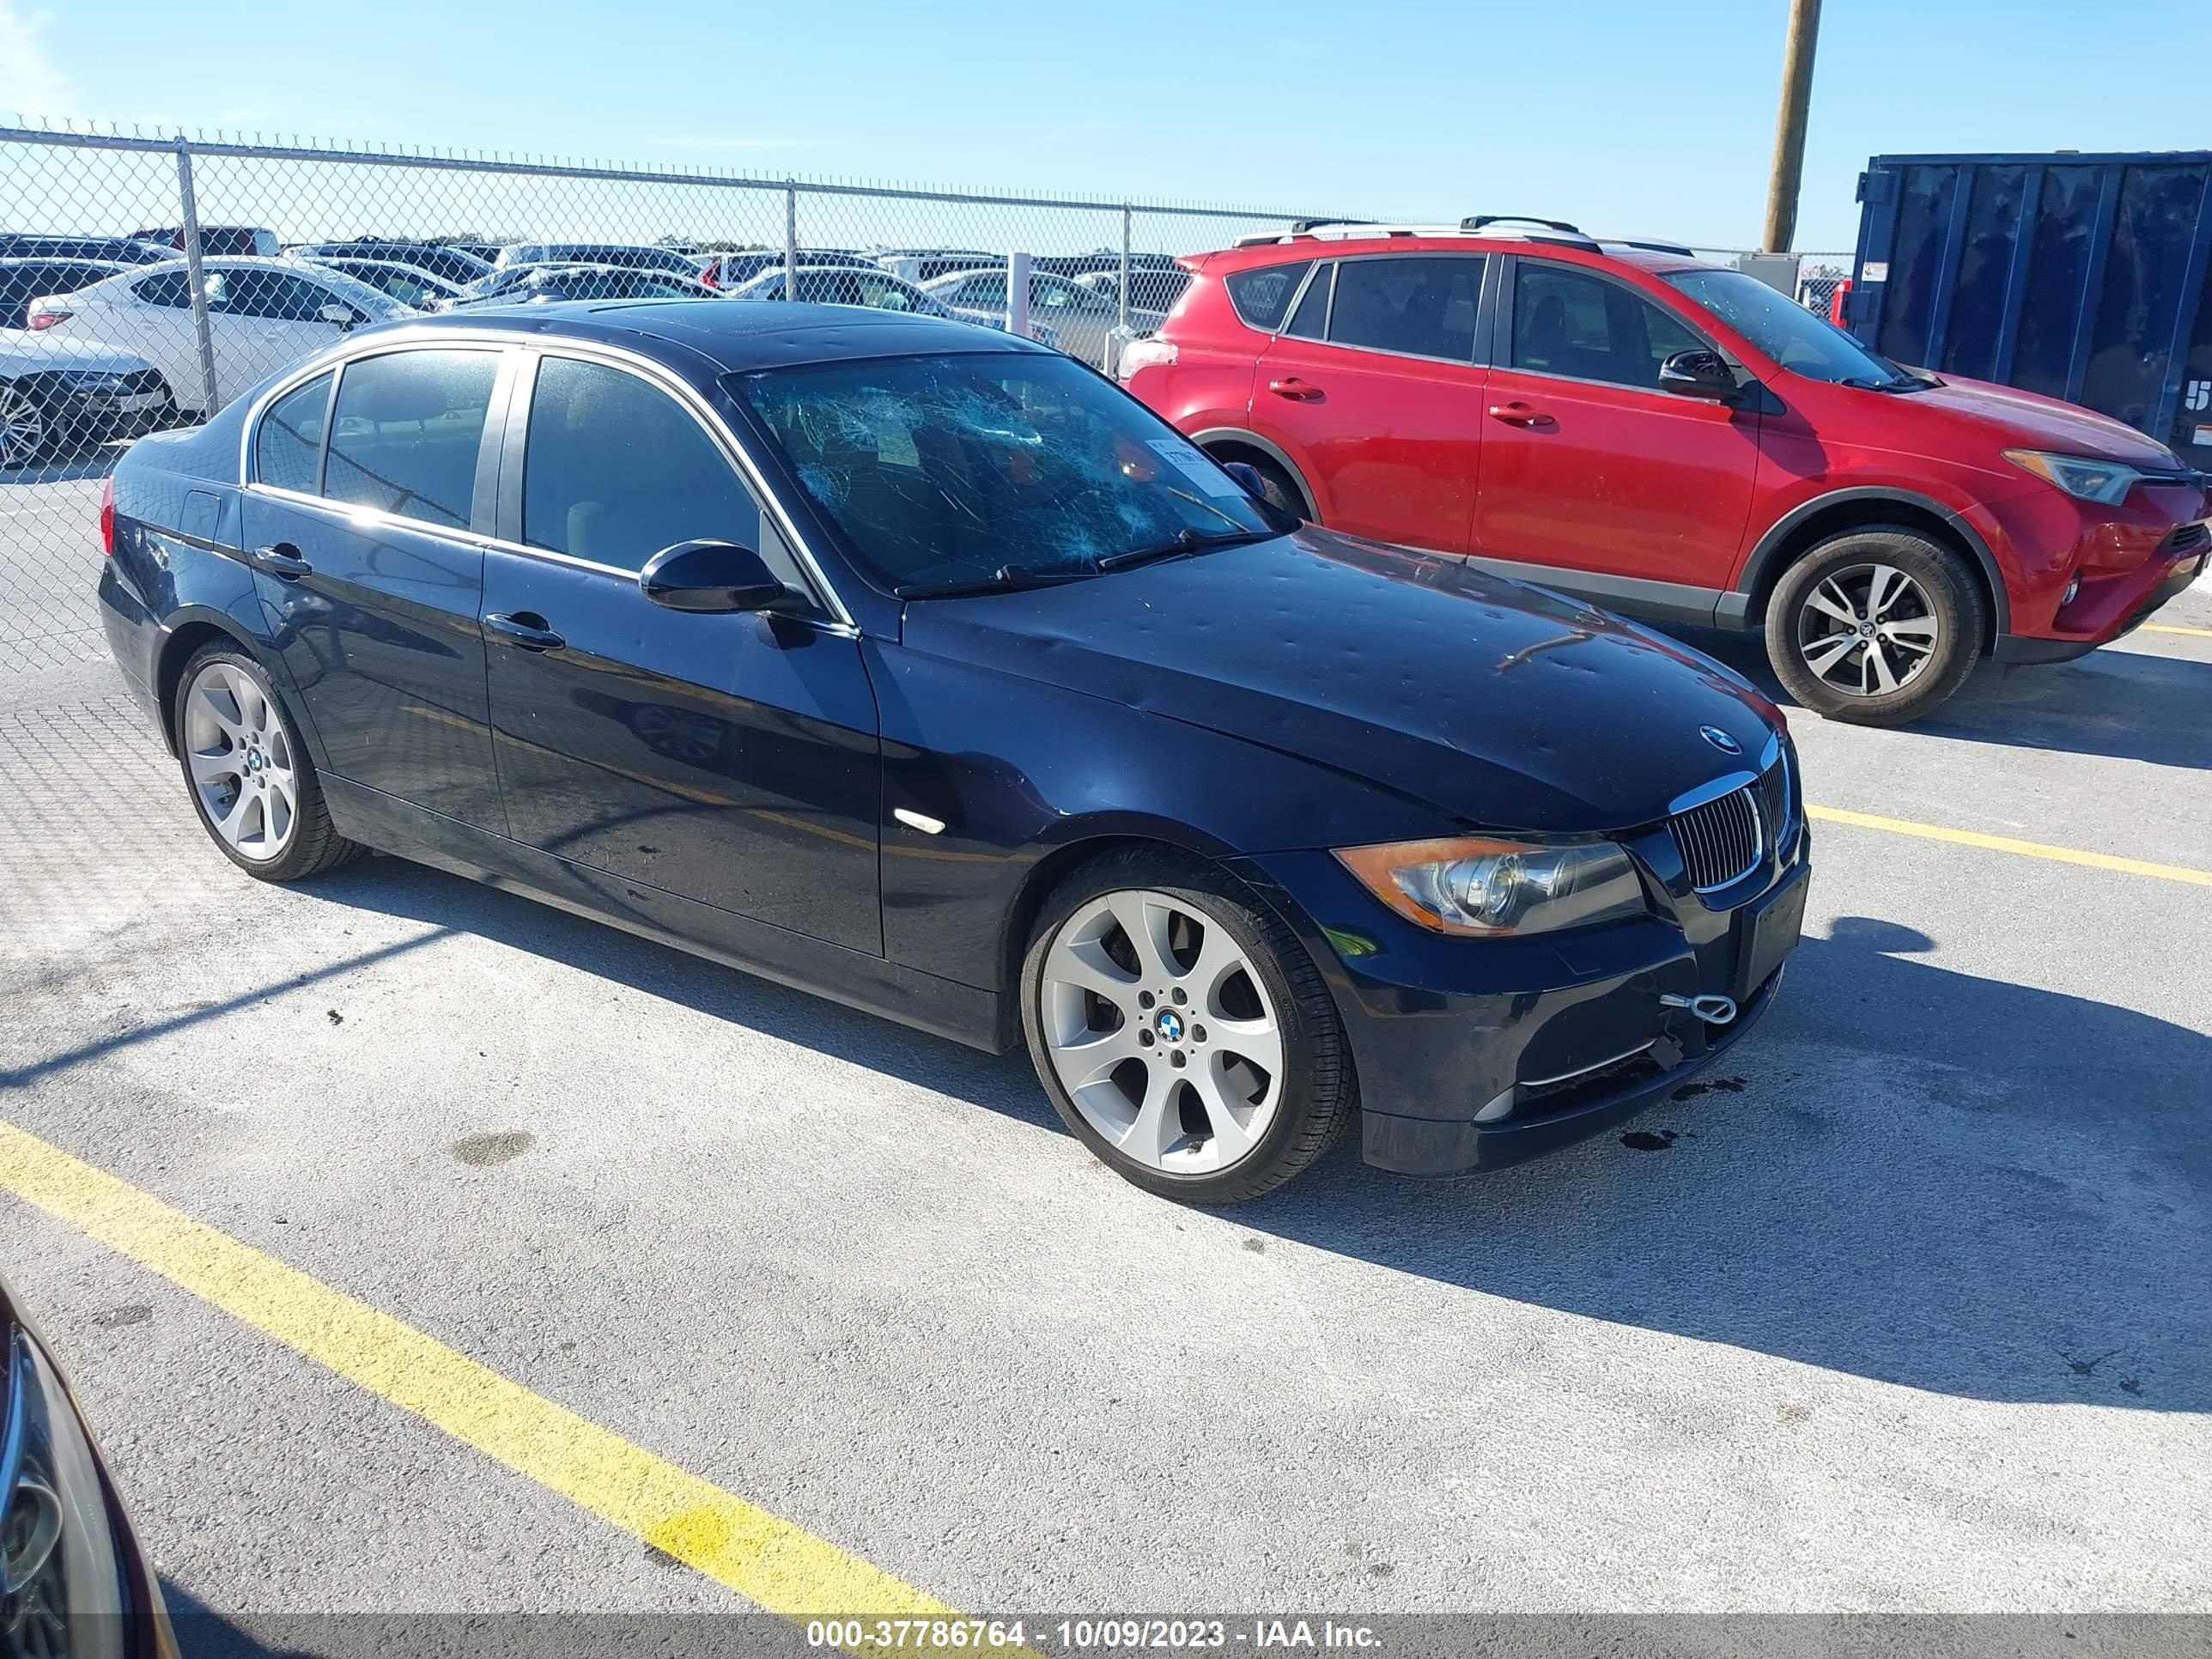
1262 295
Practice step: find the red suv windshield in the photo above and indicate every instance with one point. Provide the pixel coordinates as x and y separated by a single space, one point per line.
1786 331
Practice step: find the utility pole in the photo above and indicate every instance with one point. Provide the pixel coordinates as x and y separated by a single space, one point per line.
1790 127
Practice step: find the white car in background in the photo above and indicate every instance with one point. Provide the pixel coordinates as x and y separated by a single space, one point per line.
876 290
262 314
1079 320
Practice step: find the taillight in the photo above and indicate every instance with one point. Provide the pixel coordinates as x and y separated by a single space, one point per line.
47 319
107 519
1145 354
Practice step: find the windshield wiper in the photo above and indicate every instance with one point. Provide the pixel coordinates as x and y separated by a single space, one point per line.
1006 578
1185 541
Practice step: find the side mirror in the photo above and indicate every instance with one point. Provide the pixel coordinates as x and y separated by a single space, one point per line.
1281 520
341 315
712 576
1247 478
1698 373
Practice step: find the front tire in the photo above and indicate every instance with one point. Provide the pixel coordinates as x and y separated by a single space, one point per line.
1876 626
248 773
1182 1032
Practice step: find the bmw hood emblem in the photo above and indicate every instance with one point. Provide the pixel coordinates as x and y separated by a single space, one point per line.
1720 740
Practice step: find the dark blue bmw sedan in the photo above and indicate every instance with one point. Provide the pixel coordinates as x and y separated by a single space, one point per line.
918 666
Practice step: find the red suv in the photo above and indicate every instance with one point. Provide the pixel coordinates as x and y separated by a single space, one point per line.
1676 441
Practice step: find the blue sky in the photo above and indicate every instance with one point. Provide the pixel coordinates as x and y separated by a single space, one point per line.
1624 116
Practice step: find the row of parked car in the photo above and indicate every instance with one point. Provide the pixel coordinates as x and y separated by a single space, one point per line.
120 353
1605 416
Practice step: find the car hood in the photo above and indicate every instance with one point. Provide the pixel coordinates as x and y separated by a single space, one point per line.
23 352
2031 421
1501 705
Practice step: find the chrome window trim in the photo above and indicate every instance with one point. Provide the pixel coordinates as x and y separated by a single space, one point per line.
368 516
412 337
1673 399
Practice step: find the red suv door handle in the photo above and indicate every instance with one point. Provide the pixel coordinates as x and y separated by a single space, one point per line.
1519 414
1297 390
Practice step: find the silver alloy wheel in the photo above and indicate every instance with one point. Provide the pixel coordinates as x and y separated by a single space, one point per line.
22 426
1868 629
241 758
1161 1030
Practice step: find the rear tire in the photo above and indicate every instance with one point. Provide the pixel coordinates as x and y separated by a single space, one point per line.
1194 1050
248 774
1876 626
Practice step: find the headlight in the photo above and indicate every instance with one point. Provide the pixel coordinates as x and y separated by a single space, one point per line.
1487 889
2107 481
60 1580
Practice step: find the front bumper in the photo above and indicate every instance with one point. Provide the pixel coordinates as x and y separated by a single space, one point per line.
104 410
2132 609
1431 1146
2078 574
1474 1055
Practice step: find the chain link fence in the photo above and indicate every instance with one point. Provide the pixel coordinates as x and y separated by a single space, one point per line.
145 281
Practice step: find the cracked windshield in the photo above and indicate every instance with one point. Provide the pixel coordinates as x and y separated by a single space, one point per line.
949 473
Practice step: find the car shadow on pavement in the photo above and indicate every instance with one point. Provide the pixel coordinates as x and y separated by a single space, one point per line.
203 1634
1909 1173
2124 704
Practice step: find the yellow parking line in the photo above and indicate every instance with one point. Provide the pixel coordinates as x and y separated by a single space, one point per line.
2170 628
2032 850
784 1568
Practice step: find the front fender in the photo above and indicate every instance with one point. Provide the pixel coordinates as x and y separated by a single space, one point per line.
1961 515
1022 775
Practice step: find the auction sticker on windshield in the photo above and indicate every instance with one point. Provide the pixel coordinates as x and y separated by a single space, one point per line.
1195 467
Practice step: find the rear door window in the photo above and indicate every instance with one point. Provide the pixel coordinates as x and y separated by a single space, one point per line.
1420 306
1263 294
274 294
168 288
406 433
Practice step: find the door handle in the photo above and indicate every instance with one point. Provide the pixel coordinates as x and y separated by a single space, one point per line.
1519 414
525 628
1297 390
281 560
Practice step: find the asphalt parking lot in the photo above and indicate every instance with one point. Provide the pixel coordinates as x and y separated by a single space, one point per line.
1908 1305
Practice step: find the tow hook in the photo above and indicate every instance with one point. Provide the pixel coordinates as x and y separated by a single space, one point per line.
1713 1010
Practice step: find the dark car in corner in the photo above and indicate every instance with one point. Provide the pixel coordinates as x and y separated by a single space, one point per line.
919 667
75 1583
